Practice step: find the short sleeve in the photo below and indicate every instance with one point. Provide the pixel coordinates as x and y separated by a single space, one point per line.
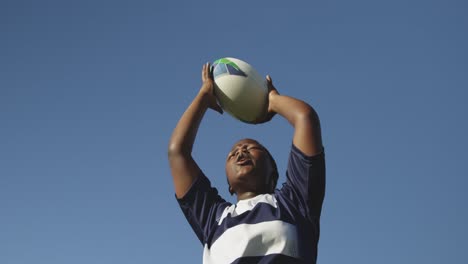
201 206
305 182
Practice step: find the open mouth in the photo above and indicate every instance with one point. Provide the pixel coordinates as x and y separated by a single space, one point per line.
243 159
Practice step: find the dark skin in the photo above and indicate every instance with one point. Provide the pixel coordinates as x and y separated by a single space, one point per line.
248 167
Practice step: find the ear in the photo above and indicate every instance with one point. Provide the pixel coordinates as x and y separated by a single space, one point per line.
231 191
272 184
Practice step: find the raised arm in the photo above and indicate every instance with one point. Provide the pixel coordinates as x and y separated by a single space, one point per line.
307 136
184 169
305 176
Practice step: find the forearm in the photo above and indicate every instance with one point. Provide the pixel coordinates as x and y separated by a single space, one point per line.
292 109
184 169
183 136
304 119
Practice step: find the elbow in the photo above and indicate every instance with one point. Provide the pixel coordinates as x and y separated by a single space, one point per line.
307 115
175 149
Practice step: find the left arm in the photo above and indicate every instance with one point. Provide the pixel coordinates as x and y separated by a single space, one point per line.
307 134
305 176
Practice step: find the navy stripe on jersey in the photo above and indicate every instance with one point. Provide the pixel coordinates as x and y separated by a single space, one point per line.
201 205
262 212
269 228
305 180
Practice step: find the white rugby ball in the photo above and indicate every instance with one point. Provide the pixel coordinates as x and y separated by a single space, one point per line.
240 90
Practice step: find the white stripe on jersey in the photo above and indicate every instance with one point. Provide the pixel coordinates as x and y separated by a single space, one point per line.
243 206
248 240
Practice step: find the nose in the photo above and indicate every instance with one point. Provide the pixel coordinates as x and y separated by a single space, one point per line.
241 149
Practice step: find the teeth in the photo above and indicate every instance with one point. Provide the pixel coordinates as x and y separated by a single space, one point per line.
242 161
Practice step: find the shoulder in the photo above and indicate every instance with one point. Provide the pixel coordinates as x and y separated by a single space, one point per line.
296 153
301 165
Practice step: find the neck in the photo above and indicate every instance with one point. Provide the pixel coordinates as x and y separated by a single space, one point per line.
246 195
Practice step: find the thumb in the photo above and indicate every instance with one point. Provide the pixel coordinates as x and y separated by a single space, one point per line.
270 85
269 82
217 108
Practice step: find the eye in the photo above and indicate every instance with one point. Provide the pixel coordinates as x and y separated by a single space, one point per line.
254 147
231 155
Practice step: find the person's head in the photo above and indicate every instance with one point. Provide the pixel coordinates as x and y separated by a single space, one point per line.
250 168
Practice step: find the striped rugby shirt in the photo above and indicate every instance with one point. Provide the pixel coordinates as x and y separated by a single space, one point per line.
282 227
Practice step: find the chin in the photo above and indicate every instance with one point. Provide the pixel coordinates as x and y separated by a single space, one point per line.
246 173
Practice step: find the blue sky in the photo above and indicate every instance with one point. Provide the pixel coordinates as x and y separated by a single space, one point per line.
91 90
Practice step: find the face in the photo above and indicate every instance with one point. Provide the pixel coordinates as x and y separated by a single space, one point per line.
249 167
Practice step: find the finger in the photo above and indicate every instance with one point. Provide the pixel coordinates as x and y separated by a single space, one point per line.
218 108
215 106
209 71
269 82
211 68
270 85
203 72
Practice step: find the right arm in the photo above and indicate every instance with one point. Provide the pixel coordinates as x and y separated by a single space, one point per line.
184 169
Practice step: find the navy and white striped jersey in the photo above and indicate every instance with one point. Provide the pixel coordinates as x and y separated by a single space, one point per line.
282 227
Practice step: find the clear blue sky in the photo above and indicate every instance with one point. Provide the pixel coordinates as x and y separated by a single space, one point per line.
91 90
